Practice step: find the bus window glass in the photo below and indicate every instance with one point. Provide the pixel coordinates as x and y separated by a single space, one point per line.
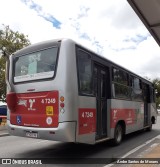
85 72
121 91
95 81
103 84
120 87
37 65
153 95
120 76
137 90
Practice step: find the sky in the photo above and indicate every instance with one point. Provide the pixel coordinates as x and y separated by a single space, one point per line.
109 27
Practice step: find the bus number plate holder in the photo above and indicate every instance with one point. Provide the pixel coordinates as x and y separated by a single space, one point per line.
31 134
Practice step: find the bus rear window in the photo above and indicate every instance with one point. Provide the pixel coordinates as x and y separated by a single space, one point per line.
34 66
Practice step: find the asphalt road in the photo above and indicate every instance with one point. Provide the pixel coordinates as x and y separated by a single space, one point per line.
18 147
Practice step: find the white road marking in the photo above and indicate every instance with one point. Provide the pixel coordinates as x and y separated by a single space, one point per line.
154 145
135 149
147 150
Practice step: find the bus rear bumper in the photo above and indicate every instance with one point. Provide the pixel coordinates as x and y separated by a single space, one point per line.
66 132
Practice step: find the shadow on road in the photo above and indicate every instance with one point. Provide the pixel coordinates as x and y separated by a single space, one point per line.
101 150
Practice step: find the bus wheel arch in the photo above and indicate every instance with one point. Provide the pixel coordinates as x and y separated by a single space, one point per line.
119 132
153 120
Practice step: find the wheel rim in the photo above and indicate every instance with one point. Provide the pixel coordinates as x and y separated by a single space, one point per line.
118 134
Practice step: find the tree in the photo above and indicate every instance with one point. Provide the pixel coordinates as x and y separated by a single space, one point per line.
156 83
10 42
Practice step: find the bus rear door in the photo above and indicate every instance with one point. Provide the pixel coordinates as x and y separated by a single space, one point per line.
101 86
147 114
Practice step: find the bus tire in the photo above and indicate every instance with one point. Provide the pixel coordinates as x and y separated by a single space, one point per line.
118 135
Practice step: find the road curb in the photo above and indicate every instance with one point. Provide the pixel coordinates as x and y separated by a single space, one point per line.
3 131
4 134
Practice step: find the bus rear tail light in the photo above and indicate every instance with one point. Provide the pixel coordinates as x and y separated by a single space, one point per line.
11 101
62 99
62 108
62 104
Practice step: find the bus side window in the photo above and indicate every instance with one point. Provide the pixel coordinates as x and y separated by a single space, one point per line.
84 72
137 89
152 94
120 84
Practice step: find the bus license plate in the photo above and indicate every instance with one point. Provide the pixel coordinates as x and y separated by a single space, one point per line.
32 134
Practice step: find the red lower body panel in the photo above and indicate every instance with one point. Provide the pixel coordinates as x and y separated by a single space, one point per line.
36 109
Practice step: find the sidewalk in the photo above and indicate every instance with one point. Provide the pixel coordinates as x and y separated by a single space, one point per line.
152 152
146 156
3 131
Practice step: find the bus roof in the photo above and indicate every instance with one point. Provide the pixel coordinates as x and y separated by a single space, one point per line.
37 46
117 65
49 43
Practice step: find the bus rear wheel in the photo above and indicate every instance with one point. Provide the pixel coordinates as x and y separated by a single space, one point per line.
118 135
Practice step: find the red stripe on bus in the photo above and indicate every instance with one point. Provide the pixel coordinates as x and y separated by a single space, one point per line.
86 120
128 115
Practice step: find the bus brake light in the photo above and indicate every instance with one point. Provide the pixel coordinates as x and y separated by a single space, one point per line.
11 100
62 105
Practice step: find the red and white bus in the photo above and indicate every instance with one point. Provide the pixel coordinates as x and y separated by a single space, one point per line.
59 90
